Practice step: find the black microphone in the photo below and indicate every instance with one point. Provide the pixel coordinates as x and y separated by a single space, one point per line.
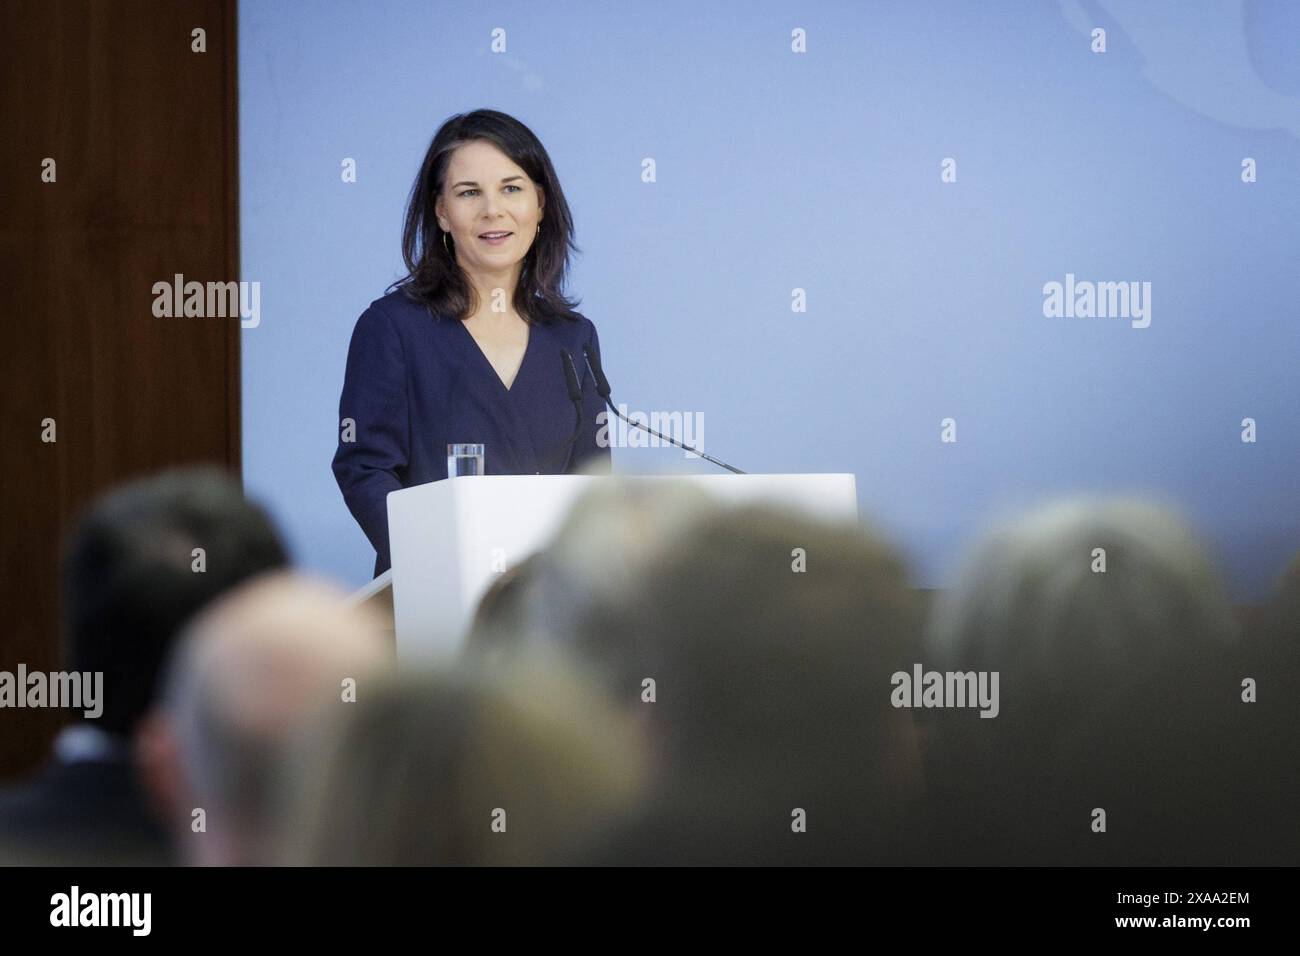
575 396
602 388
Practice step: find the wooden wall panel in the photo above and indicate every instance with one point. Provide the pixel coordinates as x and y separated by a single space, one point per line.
143 131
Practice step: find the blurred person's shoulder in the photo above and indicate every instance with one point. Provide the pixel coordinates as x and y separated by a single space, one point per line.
84 813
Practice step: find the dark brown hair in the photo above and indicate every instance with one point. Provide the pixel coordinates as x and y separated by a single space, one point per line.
435 278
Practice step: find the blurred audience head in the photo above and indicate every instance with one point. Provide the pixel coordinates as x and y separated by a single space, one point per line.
592 566
524 764
1284 612
758 645
1272 663
1082 584
141 562
1111 633
250 676
501 625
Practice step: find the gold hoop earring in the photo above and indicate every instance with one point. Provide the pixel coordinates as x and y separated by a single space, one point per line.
444 243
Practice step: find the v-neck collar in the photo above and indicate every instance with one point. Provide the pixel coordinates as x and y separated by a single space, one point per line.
487 363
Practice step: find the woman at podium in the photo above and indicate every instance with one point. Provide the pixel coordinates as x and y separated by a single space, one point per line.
470 346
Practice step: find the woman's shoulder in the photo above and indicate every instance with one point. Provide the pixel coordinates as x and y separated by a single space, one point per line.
399 306
397 313
578 331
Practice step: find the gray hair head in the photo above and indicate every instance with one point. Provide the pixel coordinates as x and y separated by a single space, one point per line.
250 675
1082 580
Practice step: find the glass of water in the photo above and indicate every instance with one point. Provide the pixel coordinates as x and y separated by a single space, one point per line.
464 460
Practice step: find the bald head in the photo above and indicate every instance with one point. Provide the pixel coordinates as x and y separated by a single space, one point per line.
251 673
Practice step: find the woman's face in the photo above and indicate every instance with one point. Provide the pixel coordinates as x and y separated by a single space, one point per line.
485 192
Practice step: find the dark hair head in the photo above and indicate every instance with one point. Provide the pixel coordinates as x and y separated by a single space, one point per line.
501 617
434 277
131 579
773 689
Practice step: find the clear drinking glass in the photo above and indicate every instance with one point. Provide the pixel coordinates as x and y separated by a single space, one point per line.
464 460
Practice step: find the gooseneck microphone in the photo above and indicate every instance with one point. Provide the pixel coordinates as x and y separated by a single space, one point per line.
602 388
575 396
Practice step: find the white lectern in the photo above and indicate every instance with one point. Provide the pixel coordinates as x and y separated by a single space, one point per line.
449 538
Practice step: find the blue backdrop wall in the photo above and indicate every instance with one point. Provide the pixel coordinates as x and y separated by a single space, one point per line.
824 171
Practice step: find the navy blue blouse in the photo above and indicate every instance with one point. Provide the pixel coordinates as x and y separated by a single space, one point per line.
416 383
